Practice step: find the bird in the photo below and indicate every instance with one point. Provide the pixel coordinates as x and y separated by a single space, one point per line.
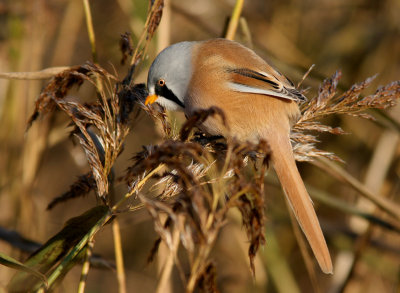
258 103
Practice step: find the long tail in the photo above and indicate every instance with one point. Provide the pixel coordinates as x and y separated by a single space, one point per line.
297 195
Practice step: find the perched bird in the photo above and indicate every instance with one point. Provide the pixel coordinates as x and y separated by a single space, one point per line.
258 103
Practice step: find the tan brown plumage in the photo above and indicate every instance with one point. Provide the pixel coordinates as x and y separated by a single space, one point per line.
259 103
254 116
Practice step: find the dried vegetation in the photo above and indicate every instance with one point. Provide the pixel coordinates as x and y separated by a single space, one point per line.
195 180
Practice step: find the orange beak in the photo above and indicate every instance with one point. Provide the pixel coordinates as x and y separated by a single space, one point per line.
151 99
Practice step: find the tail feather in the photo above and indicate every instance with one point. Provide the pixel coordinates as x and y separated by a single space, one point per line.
299 199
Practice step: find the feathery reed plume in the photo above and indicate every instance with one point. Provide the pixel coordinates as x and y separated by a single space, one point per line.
328 102
100 127
198 195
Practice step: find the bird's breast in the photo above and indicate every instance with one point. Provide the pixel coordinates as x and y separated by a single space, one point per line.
248 116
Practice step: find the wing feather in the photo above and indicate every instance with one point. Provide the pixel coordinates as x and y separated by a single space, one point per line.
250 81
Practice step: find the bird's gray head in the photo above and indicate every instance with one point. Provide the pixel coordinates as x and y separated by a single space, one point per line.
169 76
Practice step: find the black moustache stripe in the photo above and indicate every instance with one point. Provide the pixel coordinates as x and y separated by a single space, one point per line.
165 92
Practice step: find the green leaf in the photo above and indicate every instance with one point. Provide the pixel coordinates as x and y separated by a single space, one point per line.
10 262
47 258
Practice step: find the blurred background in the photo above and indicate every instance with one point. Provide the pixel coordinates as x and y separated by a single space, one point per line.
359 37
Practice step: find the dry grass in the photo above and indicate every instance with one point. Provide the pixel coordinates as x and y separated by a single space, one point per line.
191 185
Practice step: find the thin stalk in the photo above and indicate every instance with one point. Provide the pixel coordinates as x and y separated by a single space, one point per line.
119 259
92 40
308 260
139 186
34 75
280 273
164 29
144 33
85 267
384 153
165 285
331 201
246 32
89 24
195 269
305 75
384 204
234 21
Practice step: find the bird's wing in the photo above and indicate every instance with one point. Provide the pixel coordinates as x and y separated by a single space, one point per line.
259 82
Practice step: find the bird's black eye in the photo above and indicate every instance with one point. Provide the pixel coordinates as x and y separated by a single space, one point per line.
161 82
